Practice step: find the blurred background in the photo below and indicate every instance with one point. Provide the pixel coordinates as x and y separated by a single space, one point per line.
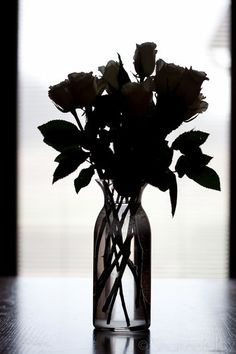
56 37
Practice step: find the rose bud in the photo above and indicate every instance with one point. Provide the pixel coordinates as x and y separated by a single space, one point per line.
110 73
144 59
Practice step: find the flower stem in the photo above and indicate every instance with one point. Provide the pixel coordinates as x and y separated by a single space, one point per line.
74 113
120 248
123 265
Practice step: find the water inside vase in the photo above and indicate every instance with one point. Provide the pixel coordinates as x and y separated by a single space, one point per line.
122 276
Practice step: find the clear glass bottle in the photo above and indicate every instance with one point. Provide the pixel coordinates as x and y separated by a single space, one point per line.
122 263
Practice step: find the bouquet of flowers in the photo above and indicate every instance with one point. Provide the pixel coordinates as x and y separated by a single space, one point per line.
123 126
122 134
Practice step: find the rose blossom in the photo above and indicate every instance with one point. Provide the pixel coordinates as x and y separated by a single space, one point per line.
83 87
61 95
137 96
198 106
183 84
167 76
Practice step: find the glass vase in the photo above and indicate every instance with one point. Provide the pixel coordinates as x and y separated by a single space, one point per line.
121 263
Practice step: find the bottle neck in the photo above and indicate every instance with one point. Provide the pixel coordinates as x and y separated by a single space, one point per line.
111 195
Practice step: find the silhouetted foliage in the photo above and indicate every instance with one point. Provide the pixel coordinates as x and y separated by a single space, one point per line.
125 125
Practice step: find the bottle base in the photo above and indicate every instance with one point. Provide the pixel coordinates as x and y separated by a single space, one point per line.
121 326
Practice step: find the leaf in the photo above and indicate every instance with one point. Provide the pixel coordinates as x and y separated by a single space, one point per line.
103 156
60 134
69 161
123 76
202 159
173 192
159 179
105 137
181 166
72 152
107 110
84 178
206 177
191 163
189 141
127 186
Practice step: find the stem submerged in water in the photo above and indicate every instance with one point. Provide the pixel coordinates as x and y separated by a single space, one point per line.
116 255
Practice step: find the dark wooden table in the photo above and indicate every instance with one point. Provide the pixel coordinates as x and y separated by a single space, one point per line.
54 315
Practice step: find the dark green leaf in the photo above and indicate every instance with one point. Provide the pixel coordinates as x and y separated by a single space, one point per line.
163 155
191 163
60 134
123 76
181 166
69 161
64 168
84 178
160 179
189 141
173 192
102 156
91 130
202 159
206 177
105 137
107 110
127 186
72 153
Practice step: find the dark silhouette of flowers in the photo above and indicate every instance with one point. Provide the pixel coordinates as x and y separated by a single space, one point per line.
123 128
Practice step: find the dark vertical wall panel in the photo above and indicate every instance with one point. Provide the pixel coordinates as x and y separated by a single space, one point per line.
8 139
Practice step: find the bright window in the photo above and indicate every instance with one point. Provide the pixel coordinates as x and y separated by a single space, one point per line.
59 37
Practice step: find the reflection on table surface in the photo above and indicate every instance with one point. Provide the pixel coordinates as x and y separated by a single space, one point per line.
54 315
